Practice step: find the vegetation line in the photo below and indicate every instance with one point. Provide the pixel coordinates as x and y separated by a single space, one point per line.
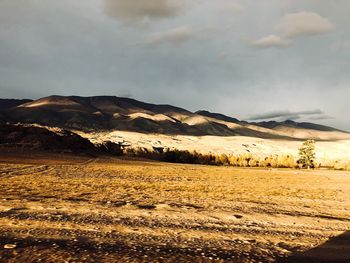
306 158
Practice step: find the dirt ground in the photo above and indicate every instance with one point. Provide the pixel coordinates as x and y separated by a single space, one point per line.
59 208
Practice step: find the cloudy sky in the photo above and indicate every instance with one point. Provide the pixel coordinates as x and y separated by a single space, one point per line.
275 59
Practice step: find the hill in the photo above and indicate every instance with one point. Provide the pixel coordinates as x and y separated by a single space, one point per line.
39 138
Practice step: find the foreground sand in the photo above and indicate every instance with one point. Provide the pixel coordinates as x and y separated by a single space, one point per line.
78 209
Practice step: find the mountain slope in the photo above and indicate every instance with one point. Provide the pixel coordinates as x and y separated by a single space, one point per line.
108 113
218 116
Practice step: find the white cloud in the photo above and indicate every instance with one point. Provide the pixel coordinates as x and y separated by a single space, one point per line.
304 24
271 41
139 10
174 36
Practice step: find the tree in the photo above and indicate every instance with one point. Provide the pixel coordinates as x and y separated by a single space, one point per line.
307 154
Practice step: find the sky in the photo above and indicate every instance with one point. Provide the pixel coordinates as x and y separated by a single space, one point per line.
249 59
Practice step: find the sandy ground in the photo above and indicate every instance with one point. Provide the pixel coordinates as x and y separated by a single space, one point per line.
78 209
327 152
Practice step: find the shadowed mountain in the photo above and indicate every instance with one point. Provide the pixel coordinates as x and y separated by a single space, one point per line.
7 104
36 138
10 103
106 113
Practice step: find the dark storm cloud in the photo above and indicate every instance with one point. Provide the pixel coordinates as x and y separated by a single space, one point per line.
287 115
321 117
238 57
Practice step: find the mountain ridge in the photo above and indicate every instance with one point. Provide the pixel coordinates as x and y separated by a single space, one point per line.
117 113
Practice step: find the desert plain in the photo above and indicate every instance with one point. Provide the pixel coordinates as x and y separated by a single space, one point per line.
65 208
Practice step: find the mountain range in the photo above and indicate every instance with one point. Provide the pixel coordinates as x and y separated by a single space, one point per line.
109 113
